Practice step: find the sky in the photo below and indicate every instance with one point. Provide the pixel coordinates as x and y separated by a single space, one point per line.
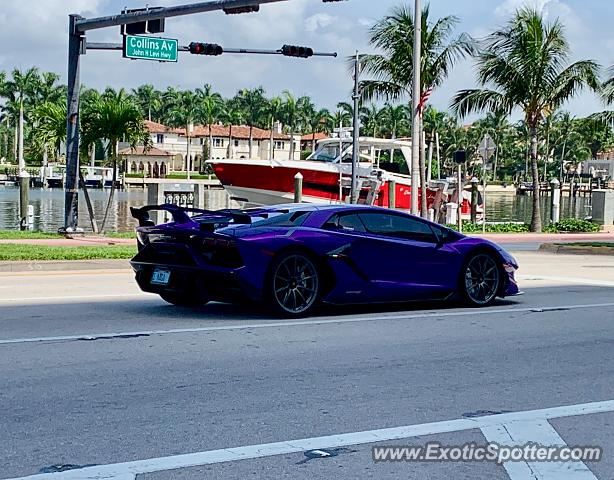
34 33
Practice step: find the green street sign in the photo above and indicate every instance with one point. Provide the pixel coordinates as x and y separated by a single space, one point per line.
150 48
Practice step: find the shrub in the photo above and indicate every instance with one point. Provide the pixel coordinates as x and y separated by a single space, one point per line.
572 225
567 225
493 228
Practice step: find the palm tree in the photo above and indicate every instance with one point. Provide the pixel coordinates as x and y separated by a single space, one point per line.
498 127
291 116
274 112
230 115
48 90
522 66
253 104
183 110
148 98
114 119
50 119
318 122
371 119
339 119
209 111
21 90
392 71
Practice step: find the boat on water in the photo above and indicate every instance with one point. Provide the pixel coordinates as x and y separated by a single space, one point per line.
327 176
54 176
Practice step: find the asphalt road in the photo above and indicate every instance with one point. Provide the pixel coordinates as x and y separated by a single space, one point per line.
92 372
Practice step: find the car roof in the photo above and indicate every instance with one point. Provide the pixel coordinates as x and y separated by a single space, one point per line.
311 207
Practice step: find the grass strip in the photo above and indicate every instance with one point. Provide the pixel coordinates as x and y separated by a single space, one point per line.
16 252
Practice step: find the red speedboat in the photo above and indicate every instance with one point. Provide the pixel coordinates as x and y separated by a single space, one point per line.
327 176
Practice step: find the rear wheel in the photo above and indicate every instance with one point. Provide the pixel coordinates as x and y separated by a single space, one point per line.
183 299
294 285
481 280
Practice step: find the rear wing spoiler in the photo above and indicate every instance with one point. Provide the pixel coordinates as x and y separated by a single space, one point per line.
180 214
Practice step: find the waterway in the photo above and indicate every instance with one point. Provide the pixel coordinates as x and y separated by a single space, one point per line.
49 207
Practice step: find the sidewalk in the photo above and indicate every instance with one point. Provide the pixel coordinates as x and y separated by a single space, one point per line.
503 238
495 237
73 242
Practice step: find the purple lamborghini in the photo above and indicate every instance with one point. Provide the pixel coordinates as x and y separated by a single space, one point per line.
295 257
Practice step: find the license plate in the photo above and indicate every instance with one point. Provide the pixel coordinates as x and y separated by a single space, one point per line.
160 277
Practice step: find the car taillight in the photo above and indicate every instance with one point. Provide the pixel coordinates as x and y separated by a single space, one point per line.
142 237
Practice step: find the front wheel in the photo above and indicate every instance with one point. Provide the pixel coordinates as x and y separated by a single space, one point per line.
182 299
481 280
294 285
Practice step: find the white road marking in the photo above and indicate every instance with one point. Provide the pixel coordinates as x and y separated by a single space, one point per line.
72 297
571 280
124 471
321 321
541 432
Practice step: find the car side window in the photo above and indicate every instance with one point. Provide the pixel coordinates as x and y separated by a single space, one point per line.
347 223
397 226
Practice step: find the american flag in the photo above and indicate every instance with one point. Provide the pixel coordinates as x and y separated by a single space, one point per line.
424 98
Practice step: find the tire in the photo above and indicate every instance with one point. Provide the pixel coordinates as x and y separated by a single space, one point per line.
480 280
294 285
182 299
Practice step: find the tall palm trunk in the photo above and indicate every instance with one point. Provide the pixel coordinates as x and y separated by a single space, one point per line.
313 141
210 144
271 140
22 164
251 140
15 141
291 142
536 219
422 164
230 146
494 170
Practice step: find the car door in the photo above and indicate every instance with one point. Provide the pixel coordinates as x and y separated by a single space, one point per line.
401 255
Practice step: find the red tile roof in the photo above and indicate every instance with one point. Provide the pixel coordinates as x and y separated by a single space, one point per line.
140 151
309 137
155 127
238 131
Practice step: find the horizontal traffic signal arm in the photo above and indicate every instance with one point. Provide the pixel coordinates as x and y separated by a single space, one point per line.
187 48
82 25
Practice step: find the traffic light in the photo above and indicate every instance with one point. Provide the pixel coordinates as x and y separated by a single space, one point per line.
212 49
142 28
296 51
238 10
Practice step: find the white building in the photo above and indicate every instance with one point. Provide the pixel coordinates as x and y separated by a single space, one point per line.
227 142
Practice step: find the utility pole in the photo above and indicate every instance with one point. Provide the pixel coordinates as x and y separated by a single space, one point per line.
416 92
355 192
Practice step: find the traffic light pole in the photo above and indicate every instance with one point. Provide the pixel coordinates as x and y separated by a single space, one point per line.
71 186
76 47
186 48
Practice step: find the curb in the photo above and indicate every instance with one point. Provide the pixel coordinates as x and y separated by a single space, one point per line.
63 265
575 250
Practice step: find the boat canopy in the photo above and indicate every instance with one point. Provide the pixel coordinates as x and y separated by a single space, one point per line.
339 150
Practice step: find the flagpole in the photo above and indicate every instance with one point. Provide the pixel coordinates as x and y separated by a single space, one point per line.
415 130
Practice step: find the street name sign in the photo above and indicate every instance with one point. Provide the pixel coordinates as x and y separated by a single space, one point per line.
151 48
